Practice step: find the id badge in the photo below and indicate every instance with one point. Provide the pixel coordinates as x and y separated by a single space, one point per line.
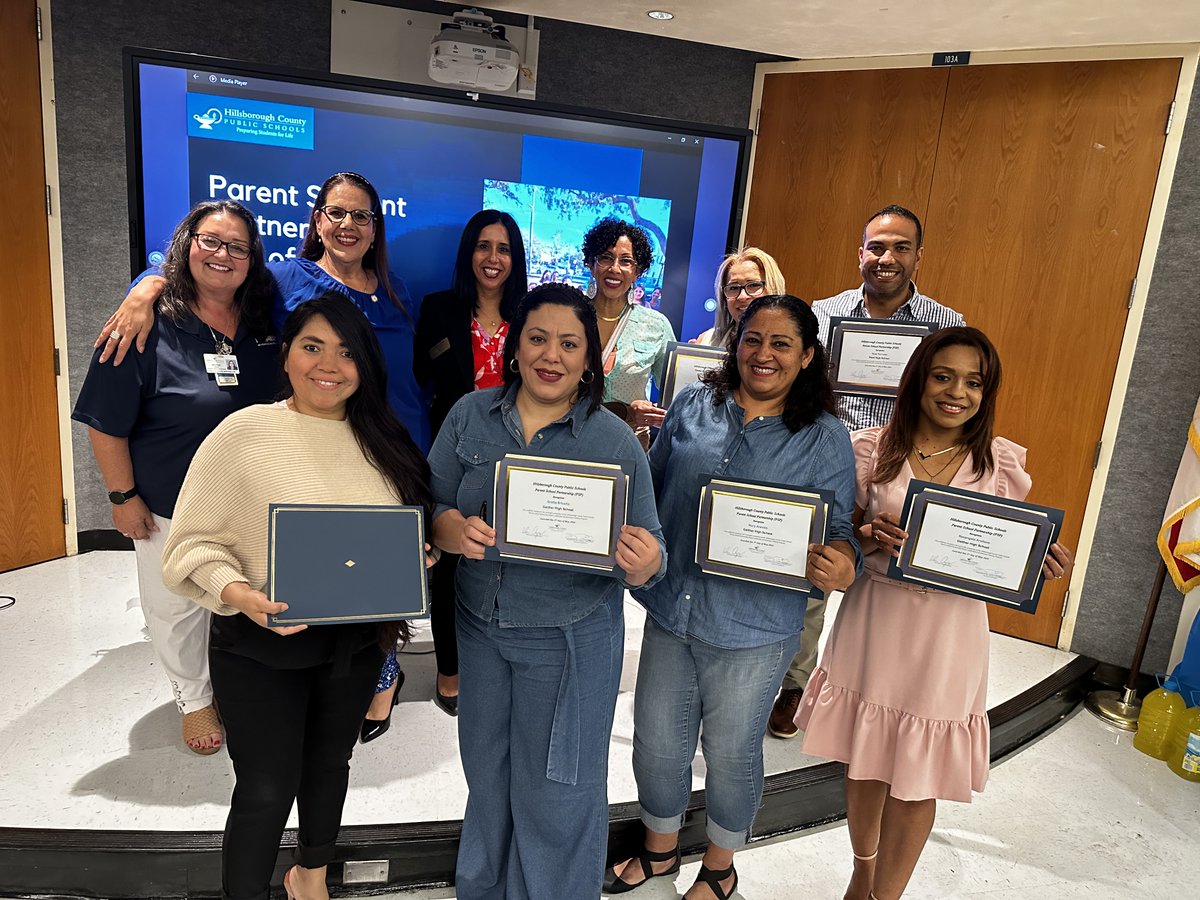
221 364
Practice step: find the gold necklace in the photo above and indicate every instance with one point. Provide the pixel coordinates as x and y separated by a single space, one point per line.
925 456
616 318
933 476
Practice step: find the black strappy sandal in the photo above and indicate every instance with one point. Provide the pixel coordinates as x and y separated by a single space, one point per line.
614 885
714 877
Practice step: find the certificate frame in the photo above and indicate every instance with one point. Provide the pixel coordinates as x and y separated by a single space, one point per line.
511 548
840 327
1046 520
281 516
818 500
682 360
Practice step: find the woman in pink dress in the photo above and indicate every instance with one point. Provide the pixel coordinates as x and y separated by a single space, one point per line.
900 694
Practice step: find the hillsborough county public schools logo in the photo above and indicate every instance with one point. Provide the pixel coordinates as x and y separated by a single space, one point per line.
247 121
208 119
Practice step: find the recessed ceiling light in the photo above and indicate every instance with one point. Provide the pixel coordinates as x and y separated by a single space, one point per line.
661 14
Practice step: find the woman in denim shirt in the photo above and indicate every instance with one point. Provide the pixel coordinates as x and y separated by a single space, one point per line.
540 648
715 649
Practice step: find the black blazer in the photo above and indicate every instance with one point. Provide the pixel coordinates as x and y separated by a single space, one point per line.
443 358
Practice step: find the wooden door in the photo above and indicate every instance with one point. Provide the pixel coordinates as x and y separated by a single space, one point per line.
31 495
1035 206
1042 191
832 148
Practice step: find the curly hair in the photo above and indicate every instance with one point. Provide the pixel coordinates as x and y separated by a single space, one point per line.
252 299
897 440
604 236
577 301
811 393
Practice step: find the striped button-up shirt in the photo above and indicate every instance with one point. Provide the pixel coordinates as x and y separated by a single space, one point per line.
871 412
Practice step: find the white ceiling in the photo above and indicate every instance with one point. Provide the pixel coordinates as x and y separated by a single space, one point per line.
848 28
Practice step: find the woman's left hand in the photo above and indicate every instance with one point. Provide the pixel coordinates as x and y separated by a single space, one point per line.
643 413
638 554
829 568
1059 562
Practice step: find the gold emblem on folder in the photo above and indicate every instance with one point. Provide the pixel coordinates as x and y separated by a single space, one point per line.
349 564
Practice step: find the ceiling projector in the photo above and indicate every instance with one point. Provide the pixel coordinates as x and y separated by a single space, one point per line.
471 51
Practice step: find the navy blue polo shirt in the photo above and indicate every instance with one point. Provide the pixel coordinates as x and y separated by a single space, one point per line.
167 404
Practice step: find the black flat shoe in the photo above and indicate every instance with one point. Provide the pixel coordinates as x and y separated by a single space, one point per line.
614 885
714 877
448 705
373 728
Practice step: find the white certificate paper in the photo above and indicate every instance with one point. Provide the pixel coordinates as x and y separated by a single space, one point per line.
760 534
559 511
688 369
874 359
974 546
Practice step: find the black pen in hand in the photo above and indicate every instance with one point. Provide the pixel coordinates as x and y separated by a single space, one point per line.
483 511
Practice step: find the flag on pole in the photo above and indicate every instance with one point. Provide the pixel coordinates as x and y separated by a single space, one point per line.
1179 537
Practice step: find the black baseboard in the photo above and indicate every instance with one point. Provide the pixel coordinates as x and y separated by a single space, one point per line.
46 863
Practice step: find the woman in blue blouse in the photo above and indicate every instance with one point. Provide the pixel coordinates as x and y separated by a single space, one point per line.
539 648
715 649
345 251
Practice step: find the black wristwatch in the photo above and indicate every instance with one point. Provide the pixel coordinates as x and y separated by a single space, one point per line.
116 498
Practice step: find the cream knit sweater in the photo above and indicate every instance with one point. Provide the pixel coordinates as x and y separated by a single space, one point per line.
257 456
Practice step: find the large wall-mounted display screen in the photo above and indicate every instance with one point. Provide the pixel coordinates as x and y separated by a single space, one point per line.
201 128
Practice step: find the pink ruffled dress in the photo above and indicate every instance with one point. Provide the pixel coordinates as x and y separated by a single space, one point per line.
900 695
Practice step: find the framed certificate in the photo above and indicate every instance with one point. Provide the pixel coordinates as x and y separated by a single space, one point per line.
335 564
685 364
975 544
868 356
559 512
760 532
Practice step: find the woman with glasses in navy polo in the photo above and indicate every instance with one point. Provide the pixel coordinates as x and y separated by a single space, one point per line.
344 251
210 352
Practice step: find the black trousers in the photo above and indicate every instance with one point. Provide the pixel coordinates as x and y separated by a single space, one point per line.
441 614
290 734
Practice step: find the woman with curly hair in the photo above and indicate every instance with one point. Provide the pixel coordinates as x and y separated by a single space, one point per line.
633 337
715 649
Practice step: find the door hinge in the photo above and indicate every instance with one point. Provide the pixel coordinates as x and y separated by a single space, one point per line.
66 512
757 119
39 22
1170 117
1096 458
1132 291
49 205
57 362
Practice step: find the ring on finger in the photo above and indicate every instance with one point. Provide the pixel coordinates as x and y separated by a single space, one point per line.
114 335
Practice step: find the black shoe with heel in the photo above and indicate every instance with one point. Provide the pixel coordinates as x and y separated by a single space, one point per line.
373 728
614 885
714 877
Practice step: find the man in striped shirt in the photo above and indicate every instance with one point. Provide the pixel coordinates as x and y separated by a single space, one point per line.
890 254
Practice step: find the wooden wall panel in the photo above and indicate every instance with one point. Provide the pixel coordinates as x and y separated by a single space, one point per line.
832 148
31 526
1044 178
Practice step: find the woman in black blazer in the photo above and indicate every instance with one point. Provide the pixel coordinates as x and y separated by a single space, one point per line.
460 348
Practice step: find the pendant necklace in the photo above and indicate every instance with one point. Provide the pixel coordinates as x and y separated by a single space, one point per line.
220 344
925 456
933 476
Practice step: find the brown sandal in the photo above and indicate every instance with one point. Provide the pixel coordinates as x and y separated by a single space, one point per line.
202 723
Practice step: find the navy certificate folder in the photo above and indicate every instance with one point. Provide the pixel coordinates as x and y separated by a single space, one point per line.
337 564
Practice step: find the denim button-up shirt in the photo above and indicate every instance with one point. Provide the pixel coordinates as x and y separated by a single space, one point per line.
481 428
701 439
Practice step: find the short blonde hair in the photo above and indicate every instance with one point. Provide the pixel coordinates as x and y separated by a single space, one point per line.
723 324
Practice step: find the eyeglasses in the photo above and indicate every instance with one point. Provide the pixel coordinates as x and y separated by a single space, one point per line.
752 289
624 262
336 214
212 244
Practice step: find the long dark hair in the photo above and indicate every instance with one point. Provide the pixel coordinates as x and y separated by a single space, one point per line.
810 394
385 442
375 259
252 299
464 275
577 301
898 437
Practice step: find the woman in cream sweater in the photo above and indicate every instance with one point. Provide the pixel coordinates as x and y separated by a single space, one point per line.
332 440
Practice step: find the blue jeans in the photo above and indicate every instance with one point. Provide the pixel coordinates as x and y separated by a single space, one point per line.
684 683
535 717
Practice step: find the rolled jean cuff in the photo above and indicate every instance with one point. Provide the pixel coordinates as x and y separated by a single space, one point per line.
667 825
724 838
314 857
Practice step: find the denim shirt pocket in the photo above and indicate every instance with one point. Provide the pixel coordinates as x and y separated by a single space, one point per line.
478 459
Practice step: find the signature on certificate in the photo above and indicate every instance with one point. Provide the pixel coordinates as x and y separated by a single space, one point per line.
734 551
577 538
533 531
